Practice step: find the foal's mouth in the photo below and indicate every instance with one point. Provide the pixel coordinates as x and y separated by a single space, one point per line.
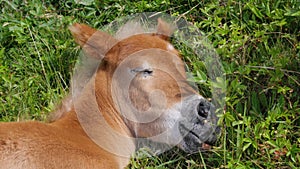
193 141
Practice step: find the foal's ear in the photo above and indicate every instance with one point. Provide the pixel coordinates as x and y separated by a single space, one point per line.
164 29
93 42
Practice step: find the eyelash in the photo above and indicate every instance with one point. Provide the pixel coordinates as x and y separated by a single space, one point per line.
144 71
147 71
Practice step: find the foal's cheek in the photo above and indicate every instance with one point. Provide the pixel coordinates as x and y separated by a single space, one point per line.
138 100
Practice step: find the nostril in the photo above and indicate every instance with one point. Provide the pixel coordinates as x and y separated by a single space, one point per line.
203 109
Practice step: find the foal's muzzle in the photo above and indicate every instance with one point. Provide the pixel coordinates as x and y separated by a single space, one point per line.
199 125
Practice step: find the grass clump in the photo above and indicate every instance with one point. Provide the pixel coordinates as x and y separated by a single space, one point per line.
257 41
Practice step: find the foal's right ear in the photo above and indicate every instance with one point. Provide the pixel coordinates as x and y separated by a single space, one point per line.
164 29
93 42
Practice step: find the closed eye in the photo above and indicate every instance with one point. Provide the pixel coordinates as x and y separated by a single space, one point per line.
143 71
147 71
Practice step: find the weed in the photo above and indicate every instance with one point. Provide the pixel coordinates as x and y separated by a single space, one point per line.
257 41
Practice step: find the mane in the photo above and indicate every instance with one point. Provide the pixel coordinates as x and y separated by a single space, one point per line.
86 66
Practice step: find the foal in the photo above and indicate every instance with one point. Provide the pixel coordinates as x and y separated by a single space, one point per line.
139 90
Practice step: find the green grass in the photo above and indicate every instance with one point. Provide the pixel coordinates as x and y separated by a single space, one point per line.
257 41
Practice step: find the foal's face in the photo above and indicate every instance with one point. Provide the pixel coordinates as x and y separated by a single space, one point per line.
151 92
145 82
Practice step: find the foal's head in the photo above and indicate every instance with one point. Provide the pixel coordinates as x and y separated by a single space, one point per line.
146 83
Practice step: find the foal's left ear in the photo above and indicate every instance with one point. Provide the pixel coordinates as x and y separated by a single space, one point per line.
93 42
164 29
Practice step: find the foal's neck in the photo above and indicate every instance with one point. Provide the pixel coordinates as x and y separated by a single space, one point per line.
94 116
120 147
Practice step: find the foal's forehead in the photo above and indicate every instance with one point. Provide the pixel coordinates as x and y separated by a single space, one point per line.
145 41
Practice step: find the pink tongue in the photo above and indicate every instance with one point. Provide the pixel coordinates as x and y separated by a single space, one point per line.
206 146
